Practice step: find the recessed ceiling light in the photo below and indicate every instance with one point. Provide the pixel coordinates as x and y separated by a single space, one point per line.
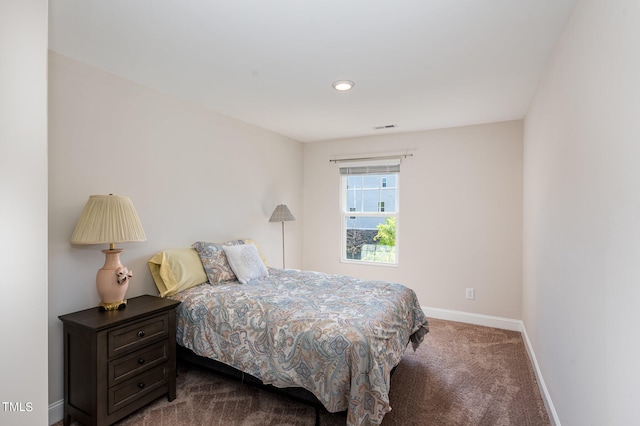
343 85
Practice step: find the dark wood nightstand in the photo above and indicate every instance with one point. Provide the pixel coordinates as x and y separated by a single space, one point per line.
116 362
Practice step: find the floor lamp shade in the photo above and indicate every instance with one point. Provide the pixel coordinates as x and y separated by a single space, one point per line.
110 219
282 214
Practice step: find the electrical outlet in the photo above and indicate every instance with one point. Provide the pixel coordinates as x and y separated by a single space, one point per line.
471 294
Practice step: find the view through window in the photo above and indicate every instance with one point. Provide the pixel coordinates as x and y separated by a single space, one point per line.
370 213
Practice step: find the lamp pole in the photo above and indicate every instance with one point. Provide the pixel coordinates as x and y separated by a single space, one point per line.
283 245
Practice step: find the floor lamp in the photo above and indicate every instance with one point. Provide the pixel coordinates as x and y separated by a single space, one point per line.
282 214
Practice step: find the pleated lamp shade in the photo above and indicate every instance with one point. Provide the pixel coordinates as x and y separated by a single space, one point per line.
108 219
281 214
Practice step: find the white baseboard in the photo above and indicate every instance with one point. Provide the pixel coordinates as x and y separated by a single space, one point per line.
56 411
470 318
505 324
551 410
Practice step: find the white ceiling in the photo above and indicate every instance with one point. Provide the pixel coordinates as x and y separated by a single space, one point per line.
419 64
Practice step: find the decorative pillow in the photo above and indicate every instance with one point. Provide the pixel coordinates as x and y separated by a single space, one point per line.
175 270
245 262
214 260
264 260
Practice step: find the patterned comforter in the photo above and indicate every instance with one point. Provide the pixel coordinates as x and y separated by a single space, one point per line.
336 336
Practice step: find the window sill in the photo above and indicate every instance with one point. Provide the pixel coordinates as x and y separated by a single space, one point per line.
366 263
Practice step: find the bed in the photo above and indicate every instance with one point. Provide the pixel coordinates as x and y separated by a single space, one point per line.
335 336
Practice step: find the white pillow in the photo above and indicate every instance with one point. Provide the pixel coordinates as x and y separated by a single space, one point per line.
245 262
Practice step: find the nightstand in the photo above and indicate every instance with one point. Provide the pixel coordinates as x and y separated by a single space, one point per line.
116 362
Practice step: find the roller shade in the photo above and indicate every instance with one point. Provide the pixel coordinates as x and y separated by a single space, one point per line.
371 168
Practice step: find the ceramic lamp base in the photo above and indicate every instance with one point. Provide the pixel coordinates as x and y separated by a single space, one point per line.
112 293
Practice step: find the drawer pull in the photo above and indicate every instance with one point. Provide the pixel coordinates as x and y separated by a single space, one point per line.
141 361
141 385
140 333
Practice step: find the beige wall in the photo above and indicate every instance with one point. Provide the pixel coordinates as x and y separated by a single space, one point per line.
192 174
460 219
23 211
582 218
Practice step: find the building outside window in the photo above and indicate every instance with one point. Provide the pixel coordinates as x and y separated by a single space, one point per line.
370 213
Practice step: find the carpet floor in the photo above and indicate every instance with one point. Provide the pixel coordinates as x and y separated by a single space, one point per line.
461 375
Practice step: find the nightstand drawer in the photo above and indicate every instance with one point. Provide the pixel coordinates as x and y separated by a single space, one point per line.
132 390
126 367
137 334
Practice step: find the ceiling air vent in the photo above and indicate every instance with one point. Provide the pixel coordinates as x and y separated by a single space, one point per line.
387 126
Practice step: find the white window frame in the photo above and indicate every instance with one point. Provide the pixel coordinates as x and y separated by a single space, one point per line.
344 214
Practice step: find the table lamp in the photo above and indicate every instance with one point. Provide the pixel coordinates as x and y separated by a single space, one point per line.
110 219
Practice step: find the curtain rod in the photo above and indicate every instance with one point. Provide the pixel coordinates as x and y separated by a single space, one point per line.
382 157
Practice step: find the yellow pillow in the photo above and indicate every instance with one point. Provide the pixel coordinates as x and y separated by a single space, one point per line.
175 270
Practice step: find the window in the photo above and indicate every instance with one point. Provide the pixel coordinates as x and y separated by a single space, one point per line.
370 213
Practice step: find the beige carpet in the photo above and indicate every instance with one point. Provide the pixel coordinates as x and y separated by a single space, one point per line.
461 375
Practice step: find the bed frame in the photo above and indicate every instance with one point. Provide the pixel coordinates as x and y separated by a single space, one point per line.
297 393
